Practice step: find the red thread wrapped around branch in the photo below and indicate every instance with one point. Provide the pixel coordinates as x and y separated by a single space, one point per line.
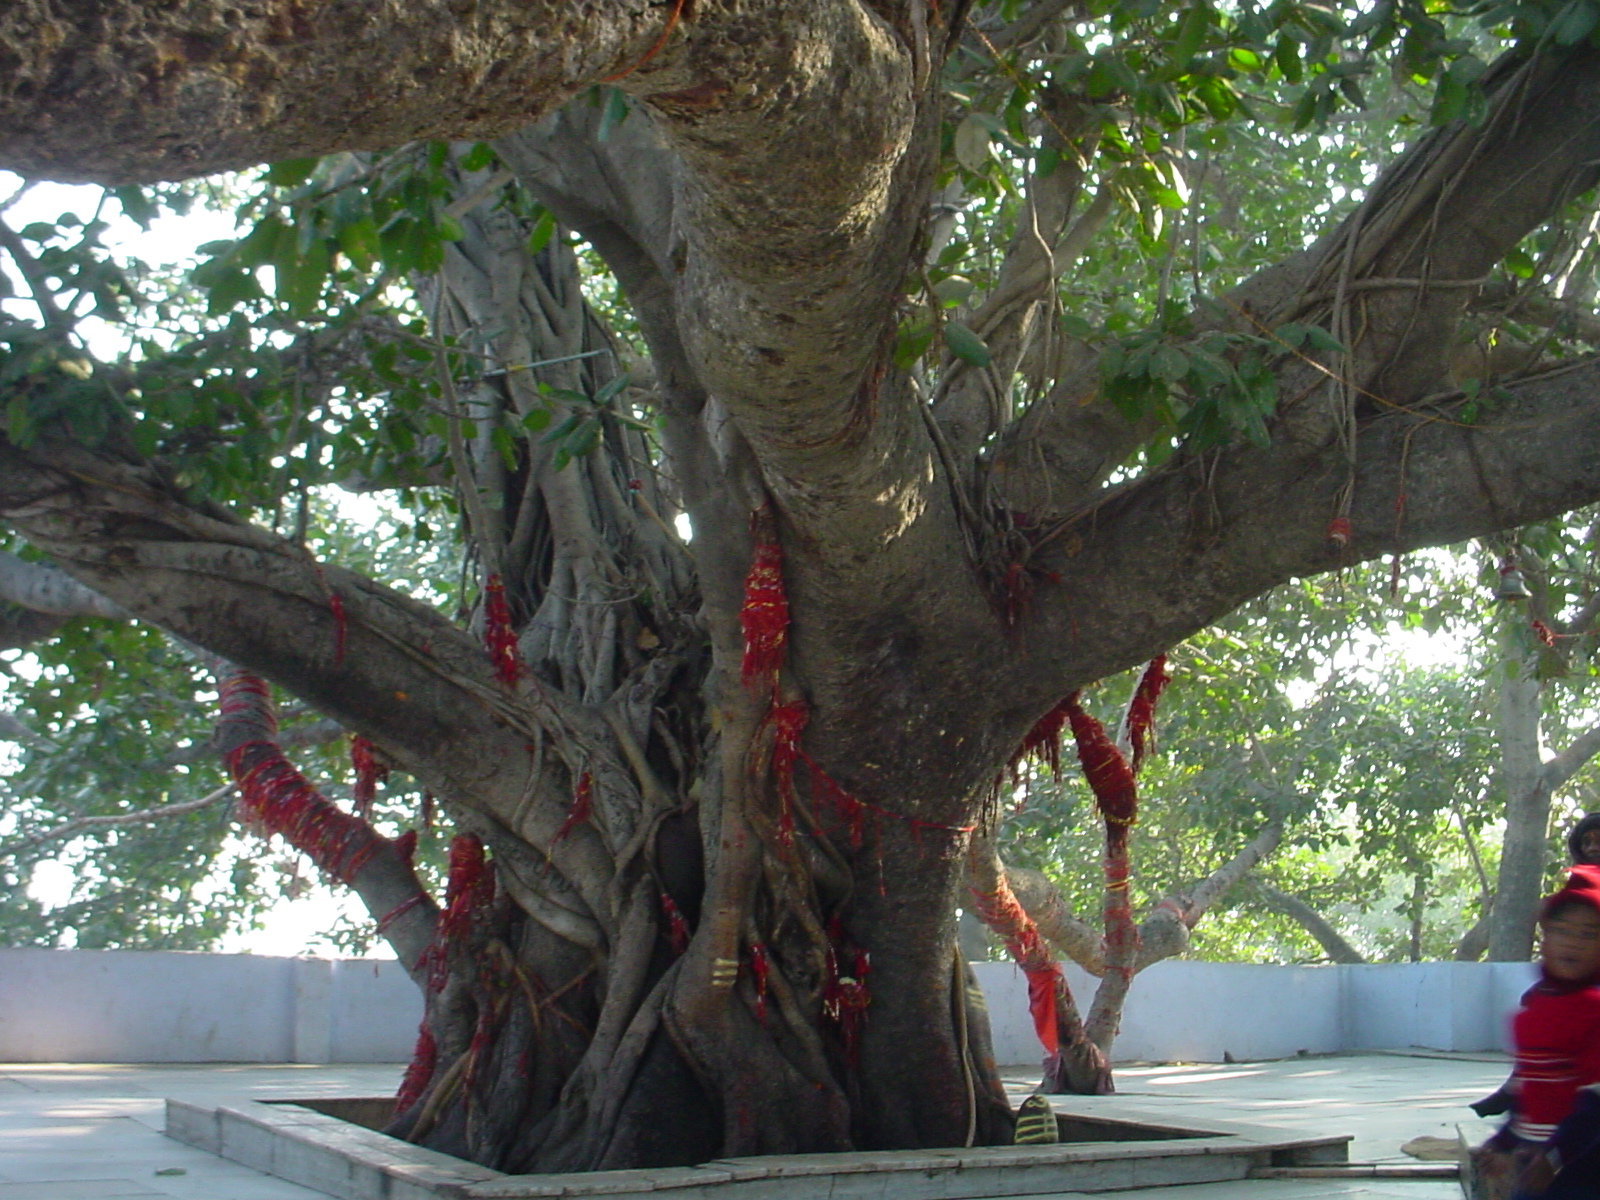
369 773
582 806
1142 709
764 617
1001 912
277 799
1115 794
498 636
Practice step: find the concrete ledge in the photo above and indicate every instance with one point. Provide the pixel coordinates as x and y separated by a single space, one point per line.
321 1152
316 1150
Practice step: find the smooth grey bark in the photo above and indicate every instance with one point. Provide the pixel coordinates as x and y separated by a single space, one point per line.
1330 939
1527 796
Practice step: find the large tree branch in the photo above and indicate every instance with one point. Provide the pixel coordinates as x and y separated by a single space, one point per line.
1161 558
110 91
379 663
1571 760
45 589
1388 278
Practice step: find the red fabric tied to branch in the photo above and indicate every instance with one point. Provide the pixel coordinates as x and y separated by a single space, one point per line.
469 887
1001 912
845 994
1142 711
340 626
764 618
582 806
788 723
677 927
424 1058
1115 794
277 799
369 773
1042 742
760 968
498 635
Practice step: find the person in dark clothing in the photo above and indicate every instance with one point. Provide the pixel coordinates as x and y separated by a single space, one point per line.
1583 842
1553 1136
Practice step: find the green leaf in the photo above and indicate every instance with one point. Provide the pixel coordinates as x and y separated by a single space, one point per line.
965 344
1192 28
1320 339
536 419
1575 22
614 113
1449 100
479 158
1291 335
953 290
1169 364
542 230
971 144
1519 264
911 342
503 442
564 427
291 171
1287 56
360 244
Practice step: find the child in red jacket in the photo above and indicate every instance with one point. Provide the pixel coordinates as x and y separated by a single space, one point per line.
1555 1120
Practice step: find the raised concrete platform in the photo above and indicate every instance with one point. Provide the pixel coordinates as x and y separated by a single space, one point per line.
86 1132
1112 1150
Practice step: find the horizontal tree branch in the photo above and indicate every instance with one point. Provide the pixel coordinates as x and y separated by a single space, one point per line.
131 90
115 820
46 589
1571 760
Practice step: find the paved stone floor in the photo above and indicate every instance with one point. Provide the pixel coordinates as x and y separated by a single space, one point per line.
84 1132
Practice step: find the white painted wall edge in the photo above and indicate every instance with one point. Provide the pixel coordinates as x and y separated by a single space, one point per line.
151 1006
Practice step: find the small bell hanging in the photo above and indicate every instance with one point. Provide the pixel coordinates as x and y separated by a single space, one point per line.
1512 586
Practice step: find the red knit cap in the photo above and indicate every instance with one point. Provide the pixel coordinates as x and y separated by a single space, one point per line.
1582 887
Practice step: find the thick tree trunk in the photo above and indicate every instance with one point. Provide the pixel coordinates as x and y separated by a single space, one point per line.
1523 853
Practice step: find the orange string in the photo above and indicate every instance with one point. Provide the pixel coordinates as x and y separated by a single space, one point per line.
672 22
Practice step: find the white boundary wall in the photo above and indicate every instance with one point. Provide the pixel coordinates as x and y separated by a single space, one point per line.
145 1006
153 1006
1180 1011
